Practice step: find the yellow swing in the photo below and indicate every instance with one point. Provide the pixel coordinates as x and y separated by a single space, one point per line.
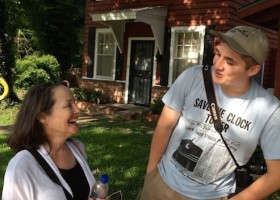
4 89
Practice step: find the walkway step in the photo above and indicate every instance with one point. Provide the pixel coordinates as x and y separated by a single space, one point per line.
125 111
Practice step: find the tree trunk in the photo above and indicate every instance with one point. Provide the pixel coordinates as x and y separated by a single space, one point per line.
7 53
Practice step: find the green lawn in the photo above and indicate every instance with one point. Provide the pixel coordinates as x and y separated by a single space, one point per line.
119 148
114 146
7 115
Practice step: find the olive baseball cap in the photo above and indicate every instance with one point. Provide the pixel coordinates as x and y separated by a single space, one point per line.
246 40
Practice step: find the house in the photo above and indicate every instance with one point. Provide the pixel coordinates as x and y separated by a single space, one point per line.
134 50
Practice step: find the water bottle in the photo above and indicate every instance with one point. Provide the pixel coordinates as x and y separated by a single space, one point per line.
101 188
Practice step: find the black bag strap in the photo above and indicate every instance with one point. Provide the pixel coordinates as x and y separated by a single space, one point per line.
213 107
49 171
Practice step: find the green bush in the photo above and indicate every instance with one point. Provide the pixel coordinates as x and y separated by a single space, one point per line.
83 94
34 69
156 106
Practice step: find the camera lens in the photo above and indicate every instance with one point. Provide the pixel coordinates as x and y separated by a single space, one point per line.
258 169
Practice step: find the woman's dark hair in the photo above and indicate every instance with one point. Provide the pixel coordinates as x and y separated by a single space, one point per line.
28 132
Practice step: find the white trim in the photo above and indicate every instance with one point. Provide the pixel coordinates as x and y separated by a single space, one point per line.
128 63
174 30
118 29
154 16
158 12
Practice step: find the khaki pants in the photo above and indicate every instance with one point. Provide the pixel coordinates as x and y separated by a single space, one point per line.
156 189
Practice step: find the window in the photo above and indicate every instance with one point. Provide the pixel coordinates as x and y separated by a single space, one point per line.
105 55
186 49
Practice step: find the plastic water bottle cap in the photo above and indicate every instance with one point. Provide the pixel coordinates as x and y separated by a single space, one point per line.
104 178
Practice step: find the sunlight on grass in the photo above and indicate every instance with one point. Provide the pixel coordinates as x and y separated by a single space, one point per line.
130 173
7 115
119 148
5 156
108 157
125 130
116 147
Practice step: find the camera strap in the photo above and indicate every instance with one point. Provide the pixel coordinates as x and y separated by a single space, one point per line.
213 107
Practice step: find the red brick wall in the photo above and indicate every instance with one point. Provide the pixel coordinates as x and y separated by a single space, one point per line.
112 92
158 92
222 14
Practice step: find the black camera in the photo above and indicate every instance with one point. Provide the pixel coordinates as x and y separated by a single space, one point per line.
243 174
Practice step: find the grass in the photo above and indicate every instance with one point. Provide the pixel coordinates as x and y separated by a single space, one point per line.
114 146
7 114
120 149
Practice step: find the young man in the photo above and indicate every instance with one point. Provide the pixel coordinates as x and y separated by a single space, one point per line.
188 159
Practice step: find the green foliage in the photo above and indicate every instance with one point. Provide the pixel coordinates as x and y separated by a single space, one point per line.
34 69
9 22
40 26
156 106
26 43
47 20
50 64
83 94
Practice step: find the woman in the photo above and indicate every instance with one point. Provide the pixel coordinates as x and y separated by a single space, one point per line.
45 123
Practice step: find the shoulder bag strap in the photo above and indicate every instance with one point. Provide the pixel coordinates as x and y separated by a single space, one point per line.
213 107
49 171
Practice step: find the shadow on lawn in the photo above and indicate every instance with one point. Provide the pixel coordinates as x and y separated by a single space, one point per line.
116 147
121 149
5 156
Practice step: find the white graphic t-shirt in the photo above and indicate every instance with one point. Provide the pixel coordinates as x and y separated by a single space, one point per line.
196 162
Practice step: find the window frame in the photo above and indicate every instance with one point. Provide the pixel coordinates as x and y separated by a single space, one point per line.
97 35
173 45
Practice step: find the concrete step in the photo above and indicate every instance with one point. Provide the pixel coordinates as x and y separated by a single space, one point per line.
125 111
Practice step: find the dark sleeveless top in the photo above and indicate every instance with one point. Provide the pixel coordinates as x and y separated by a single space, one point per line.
77 181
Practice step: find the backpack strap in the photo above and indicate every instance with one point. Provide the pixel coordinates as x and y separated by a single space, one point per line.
49 171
